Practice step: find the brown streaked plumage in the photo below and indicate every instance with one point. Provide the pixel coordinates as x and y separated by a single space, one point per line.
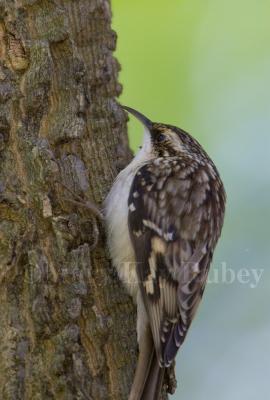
175 209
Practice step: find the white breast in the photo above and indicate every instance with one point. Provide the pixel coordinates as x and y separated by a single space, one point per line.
116 213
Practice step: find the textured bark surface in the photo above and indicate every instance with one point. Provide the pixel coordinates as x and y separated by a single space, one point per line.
66 324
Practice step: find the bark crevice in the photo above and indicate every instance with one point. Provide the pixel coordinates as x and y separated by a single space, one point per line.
66 324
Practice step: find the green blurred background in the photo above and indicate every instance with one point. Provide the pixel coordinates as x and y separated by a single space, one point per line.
205 67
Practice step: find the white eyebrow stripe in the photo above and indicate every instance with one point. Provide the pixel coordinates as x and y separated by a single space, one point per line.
176 141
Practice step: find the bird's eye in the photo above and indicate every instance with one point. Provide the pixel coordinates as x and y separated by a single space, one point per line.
161 137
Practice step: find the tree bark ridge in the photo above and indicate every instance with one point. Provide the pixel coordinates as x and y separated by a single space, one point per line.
66 324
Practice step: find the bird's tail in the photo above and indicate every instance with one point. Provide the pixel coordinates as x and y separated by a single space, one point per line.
148 379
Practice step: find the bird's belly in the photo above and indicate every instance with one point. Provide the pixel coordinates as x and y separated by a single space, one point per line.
120 246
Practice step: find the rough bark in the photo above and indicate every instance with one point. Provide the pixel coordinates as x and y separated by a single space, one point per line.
66 324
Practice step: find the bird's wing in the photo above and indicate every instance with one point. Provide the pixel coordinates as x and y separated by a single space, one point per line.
174 225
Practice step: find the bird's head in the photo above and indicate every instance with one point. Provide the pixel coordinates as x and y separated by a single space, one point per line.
168 140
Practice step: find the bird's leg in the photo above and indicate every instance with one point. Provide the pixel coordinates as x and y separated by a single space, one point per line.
93 208
95 212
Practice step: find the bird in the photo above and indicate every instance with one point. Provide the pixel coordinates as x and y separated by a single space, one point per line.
164 215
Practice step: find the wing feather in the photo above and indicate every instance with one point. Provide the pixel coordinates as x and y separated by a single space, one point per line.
172 204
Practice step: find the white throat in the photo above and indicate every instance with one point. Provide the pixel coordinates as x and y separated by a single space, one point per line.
145 153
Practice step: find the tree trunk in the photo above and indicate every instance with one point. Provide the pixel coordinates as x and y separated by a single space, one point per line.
67 328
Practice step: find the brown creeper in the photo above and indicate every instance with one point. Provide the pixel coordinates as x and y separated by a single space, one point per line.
164 216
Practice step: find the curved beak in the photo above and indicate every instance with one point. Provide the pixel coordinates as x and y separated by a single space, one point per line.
145 121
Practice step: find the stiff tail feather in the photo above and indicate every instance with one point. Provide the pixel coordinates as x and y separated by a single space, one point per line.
148 379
